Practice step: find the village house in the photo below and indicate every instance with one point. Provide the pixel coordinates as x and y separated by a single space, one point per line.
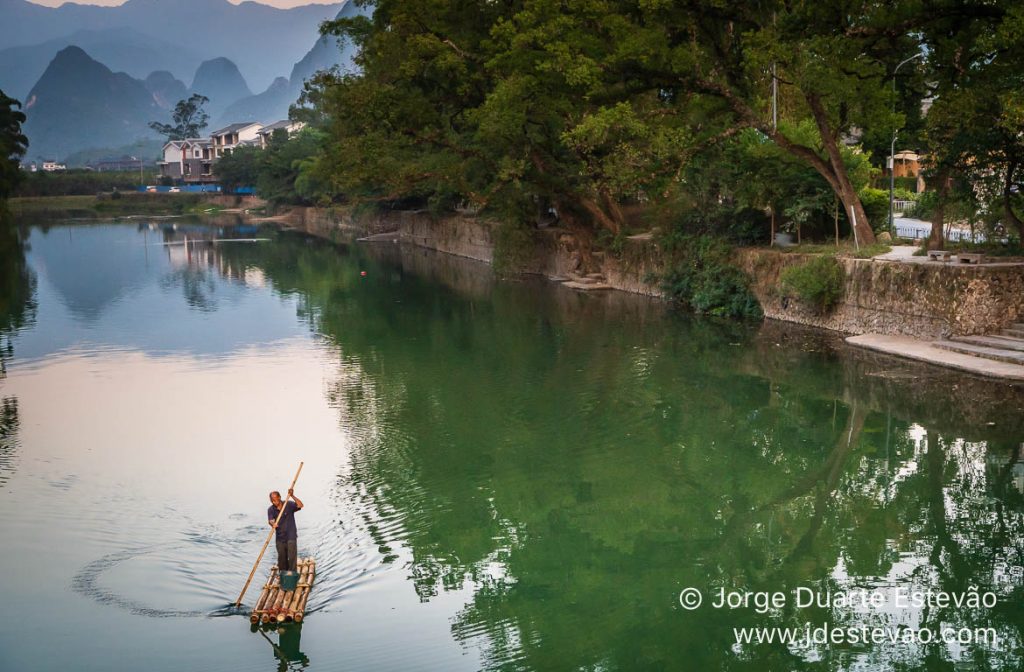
288 126
115 164
53 166
226 139
908 164
190 161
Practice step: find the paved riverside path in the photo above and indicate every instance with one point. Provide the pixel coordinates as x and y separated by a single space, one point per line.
927 351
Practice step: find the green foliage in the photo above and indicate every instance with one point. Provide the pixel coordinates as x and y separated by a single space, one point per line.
127 203
876 205
282 173
973 128
240 168
80 182
869 251
593 106
704 279
901 194
924 206
818 282
189 119
13 144
907 185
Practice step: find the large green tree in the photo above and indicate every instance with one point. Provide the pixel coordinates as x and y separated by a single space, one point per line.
13 144
189 119
592 105
974 127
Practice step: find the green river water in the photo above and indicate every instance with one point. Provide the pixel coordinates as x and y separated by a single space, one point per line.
499 474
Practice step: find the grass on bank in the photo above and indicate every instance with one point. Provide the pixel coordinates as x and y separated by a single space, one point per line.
104 205
845 249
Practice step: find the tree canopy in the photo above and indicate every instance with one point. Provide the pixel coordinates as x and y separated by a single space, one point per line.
13 144
589 107
189 119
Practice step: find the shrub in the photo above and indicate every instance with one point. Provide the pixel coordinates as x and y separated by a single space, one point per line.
924 206
907 184
704 279
817 282
876 207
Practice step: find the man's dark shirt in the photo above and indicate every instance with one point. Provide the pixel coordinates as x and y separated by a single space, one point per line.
286 530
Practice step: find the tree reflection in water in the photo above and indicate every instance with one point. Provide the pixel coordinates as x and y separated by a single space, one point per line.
17 310
578 460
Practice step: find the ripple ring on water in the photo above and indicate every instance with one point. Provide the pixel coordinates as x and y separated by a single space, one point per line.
85 583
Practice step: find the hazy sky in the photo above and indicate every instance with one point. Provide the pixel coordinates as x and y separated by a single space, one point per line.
108 3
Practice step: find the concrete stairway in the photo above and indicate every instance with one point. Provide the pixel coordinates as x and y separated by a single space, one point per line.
1006 346
586 283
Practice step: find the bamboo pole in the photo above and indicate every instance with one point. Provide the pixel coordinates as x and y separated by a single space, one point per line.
305 592
302 589
292 600
255 616
300 610
279 602
284 505
289 597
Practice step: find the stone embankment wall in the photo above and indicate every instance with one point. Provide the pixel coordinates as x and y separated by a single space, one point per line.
926 300
555 253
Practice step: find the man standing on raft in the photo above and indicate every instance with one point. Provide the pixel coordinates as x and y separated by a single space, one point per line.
287 533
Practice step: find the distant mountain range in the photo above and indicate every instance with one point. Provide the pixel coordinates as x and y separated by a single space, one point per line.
220 81
120 49
263 41
79 105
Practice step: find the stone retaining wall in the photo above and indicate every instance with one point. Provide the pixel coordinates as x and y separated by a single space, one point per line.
922 300
925 300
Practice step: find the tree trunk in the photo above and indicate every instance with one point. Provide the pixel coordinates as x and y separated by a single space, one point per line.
834 170
841 184
1011 216
936 238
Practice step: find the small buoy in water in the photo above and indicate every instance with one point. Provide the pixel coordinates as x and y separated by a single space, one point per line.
362 273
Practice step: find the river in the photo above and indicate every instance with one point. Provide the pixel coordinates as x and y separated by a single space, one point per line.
499 474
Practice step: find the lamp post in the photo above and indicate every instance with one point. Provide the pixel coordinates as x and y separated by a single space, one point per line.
892 147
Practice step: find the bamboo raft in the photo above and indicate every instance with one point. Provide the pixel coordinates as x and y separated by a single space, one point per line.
276 605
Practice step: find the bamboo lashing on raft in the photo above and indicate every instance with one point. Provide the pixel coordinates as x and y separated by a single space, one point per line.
280 606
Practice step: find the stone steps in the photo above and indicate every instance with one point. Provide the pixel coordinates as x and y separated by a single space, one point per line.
993 341
933 353
586 286
586 283
1013 332
996 354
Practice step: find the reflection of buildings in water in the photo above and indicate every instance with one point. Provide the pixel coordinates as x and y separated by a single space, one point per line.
204 249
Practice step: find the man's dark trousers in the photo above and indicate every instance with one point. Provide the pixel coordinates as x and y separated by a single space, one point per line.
287 555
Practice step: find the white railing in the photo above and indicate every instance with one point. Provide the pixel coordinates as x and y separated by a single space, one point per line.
953 235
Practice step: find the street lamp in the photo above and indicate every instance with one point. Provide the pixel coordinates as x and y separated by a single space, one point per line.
892 147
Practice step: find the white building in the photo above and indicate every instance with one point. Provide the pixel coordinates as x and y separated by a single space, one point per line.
267 132
189 160
52 166
226 139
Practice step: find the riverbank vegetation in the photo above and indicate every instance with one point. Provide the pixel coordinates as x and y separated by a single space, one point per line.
82 182
116 204
606 119
580 111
